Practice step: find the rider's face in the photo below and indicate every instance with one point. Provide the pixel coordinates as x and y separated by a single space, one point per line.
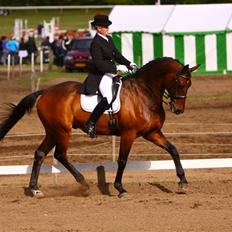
103 30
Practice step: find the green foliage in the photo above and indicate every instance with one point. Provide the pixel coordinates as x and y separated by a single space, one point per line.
101 2
73 2
69 19
173 2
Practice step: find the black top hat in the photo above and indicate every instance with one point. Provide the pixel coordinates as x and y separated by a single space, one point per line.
101 20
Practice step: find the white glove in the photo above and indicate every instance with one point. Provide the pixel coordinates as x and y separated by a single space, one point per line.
122 68
133 67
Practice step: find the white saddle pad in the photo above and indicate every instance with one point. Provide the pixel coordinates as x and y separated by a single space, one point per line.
88 102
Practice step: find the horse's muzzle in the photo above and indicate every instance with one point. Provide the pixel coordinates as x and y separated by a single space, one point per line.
175 109
179 111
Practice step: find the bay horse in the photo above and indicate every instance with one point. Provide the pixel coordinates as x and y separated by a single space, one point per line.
141 114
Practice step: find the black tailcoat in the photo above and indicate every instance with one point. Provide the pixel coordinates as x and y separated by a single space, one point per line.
104 54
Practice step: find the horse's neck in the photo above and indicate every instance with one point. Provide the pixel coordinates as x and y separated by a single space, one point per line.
155 77
152 90
154 83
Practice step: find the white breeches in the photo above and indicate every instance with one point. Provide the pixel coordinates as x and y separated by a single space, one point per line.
105 87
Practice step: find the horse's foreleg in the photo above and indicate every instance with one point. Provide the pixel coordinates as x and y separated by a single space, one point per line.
40 155
62 158
159 139
125 146
62 140
179 169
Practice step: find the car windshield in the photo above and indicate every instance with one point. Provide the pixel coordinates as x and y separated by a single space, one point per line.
81 44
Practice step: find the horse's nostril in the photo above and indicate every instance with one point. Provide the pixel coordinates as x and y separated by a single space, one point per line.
178 111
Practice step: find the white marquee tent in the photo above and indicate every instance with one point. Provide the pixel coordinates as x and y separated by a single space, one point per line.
194 34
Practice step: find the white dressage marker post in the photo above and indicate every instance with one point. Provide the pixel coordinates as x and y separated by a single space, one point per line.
32 62
20 65
33 74
41 60
8 66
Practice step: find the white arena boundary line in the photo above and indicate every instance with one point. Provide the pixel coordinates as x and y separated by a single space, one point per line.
135 165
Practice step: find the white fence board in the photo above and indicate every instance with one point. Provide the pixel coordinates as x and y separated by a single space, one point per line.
135 165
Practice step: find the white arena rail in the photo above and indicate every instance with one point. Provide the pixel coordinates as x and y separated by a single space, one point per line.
135 165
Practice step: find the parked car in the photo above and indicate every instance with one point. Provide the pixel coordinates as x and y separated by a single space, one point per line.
79 58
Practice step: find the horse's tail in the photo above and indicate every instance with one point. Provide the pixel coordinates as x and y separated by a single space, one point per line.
16 112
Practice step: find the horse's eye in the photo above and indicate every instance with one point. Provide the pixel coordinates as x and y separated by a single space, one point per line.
182 82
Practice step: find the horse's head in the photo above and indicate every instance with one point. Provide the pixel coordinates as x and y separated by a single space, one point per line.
178 87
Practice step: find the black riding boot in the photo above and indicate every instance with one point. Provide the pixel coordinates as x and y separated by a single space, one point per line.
95 115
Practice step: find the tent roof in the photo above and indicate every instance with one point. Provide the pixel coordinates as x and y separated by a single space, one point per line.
139 18
172 18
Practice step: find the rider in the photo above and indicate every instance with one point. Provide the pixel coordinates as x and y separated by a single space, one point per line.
104 70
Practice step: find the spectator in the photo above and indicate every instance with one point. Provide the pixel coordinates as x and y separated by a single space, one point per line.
59 52
40 30
13 46
45 47
31 48
22 44
67 42
45 42
4 12
23 49
1 48
4 50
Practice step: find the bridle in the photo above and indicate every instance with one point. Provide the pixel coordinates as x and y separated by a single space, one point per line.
170 97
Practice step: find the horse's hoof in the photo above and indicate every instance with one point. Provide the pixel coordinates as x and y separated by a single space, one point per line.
85 185
84 189
122 194
182 188
37 193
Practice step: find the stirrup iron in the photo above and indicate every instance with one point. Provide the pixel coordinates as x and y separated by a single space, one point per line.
90 129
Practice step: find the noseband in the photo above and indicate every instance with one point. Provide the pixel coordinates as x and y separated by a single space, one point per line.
178 97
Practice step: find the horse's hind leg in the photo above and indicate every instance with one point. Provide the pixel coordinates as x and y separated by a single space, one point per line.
159 139
61 156
125 146
40 155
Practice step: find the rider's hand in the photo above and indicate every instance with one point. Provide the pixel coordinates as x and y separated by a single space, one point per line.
119 73
132 67
122 68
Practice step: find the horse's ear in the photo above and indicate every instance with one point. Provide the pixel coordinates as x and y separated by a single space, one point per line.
194 68
183 70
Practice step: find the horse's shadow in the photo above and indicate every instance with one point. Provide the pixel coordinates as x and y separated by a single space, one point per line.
103 187
161 187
